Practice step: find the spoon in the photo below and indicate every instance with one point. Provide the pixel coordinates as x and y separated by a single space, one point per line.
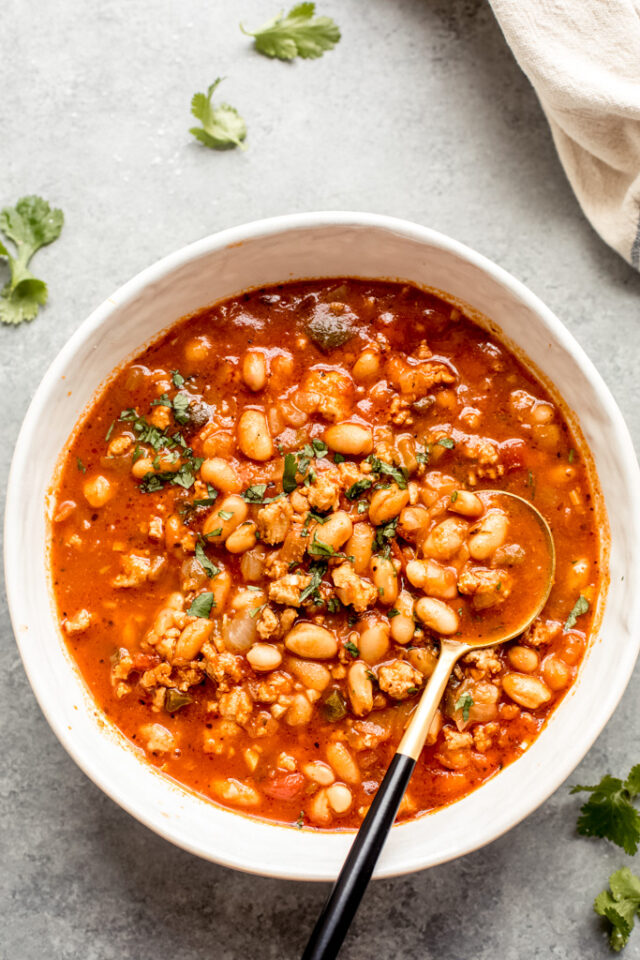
348 890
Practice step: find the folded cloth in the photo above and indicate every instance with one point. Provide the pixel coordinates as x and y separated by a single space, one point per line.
583 59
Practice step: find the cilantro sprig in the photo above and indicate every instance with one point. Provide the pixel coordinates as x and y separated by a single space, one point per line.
222 127
31 224
619 905
609 812
298 34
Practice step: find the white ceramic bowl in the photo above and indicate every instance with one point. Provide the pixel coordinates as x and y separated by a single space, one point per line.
314 245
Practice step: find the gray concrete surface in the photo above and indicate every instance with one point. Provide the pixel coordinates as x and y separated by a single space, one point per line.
420 112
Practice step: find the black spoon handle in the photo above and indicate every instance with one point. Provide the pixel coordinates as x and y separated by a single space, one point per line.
349 888
344 899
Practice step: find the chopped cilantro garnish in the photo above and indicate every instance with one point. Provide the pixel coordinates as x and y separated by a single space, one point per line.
399 474
317 572
80 465
580 606
358 487
393 613
351 648
572 455
333 605
454 496
339 458
318 548
177 379
385 533
256 610
289 477
531 483
446 442
255 493
181 404
609 811
107 435
320 447
201 606
183 477
225 514
464 703
209 568
209 500
363 506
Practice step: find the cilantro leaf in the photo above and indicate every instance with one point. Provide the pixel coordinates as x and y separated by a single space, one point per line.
357 488
619 906
289 477
317 571
298 34
31 224
580 606
397 473
320 448
209 568
318 548
609 811
255 493
181 404
351 649
384 534
178 379
222 127
201 606
464 703
446 442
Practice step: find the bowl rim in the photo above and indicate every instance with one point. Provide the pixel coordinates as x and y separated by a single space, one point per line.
262 229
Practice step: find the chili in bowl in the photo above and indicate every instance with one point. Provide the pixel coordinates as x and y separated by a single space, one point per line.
265 520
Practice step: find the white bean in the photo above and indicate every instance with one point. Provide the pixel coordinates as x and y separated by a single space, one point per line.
254 438
350 439
436 615
488 534
312 641
264 656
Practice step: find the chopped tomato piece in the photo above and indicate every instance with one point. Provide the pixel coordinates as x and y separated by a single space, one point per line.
284 786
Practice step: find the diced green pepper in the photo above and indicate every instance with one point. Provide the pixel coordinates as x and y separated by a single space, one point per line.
334 707
175 699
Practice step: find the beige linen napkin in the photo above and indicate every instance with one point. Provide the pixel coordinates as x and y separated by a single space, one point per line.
583 59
